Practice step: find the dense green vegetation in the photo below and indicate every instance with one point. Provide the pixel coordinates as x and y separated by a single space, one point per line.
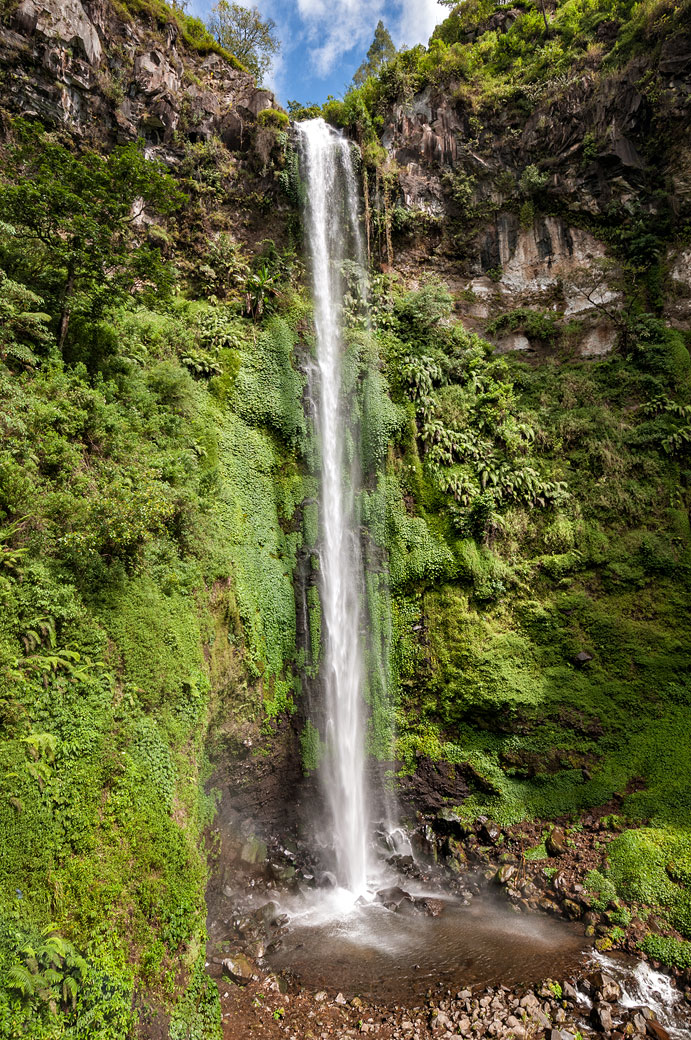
491 66
149 482
195 34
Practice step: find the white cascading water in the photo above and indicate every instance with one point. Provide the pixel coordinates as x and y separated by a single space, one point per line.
642 986
334 235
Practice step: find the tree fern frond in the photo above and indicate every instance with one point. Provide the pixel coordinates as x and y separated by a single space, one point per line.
19 977
79 964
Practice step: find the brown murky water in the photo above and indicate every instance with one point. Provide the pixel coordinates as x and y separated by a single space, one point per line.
392 957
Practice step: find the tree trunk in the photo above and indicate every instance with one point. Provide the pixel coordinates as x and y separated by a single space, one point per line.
544 16
66 308
387 223
368 216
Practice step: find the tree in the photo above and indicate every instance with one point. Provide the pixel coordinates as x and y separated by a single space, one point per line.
74 223
242 32
380 52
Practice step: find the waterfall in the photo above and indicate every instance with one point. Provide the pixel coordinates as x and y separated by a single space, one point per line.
334 236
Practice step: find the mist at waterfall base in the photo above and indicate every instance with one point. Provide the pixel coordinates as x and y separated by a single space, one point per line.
342 936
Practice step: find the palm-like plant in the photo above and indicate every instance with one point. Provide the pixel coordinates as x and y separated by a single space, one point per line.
50 970
259 288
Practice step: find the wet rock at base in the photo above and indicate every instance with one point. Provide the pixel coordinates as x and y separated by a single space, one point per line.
239 969
569 993
489 833
254 851
505 873
601 1017
282 872
655 1030
604 987
327 880
275 984
431 907
265 916
571 909
392 897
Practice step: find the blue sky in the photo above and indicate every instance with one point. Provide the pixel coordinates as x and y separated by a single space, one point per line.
324 41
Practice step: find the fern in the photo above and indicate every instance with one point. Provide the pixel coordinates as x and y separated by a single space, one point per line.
19 977
50 969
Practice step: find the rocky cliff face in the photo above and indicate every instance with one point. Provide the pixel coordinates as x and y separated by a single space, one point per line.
81 67
602 149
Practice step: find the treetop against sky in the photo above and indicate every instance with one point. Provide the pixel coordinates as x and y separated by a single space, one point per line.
323 42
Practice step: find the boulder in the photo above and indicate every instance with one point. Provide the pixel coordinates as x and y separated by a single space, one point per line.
604 987
656 1031
582 658
489 833
393 897
431 907
549 906
266 915
572 910
253 851
504 874
239 969
556 842
601 1018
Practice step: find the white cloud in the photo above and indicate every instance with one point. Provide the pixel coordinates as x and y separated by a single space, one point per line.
275 77
418 19
335 27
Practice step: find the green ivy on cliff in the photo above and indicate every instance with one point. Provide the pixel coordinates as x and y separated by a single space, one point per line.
149 480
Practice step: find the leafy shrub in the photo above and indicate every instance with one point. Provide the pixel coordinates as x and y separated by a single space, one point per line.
421 310
539 325
272 117
673 953
532 181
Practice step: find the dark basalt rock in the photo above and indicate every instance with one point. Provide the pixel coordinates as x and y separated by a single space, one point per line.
431 907
601 1018
489 833
505 873
61 58
604 987
392 897
656 1031
582 658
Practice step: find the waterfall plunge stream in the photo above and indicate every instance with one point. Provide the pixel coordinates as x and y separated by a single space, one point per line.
334 235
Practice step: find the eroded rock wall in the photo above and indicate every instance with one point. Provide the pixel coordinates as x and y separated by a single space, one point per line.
79 66
603 149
